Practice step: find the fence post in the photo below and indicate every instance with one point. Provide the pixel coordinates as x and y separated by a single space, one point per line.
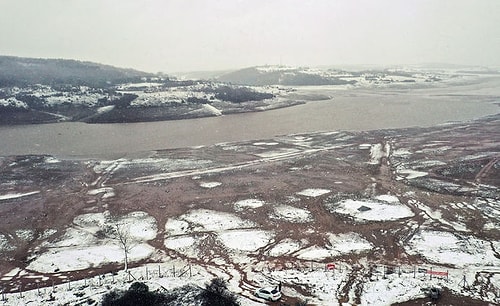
430 274
159 272
173 269
414 272
147 273
190 272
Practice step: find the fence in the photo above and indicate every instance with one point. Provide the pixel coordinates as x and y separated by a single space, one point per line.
103 283
47 288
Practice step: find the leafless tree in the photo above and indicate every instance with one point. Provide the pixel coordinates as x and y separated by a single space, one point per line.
119 231
122 235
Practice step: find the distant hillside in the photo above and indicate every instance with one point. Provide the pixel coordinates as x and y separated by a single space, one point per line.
55 90
279 75
19 71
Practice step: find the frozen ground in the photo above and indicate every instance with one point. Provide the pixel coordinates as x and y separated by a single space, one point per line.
88 244
372 210
260 213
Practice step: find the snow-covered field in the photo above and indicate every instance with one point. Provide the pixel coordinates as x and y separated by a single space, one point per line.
278 212
453 249
81 247
87 244
381 208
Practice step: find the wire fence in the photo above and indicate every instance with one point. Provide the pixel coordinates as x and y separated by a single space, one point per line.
105 281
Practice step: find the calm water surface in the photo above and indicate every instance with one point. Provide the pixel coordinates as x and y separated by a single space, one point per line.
348 110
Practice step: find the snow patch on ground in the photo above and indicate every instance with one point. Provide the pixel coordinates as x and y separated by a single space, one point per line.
448 248
376 154
246 240
80 247
292 214
392 289
85 257
437 216
210 185
105 109
25 234
107 192
16 195
313 192
176 227
278 153
402 152
372 210
212 109
4 244
341 244
387 198
410 174
248 203
324 284
180 244
210 220
348 243
285 247
266 143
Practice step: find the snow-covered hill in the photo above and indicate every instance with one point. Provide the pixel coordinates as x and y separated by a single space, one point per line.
305 76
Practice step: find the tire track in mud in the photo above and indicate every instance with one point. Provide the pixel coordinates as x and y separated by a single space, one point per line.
237 166
486 169
352 282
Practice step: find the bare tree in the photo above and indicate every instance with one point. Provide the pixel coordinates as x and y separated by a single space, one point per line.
119 231
122 235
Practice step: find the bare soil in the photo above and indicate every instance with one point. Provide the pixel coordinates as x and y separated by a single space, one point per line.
470 169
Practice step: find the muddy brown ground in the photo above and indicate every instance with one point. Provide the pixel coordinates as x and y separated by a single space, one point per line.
331 161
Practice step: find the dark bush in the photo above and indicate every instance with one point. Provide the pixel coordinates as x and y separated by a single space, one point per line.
137 295
32 101
197 100
124 101
238 94
216 293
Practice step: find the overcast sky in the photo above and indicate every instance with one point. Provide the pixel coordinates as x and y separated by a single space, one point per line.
193 35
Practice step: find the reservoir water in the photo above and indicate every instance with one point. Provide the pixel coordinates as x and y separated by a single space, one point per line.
352 110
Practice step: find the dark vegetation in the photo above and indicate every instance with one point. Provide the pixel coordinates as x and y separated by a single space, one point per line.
214 293
55 90
21 72
237 94
138 294
256 77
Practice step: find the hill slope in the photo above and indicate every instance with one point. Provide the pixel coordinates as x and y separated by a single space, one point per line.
55 90
19 71
280 75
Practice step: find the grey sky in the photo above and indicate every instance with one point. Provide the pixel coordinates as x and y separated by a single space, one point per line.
189 35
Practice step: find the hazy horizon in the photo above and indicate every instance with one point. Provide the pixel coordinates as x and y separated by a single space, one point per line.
190 35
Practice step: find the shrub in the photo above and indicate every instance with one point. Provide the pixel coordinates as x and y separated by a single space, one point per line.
137 295
216 293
